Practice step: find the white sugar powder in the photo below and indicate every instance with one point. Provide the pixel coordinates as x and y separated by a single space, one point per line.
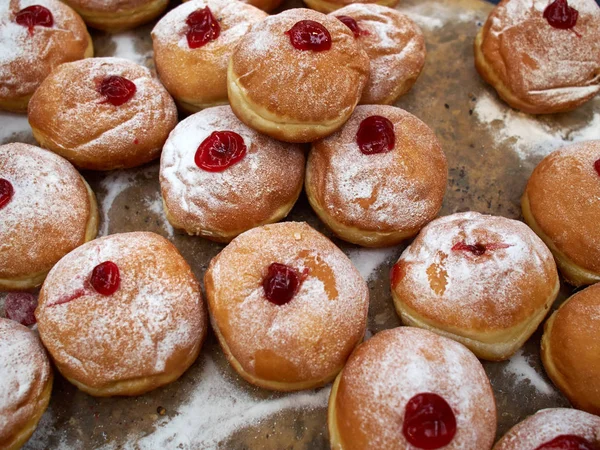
368 260
126 48
433 15
12 124
523 372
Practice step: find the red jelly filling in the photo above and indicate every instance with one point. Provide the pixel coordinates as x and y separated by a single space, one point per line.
375 135
568 442
396 274
117 90
35 15
220 150
281 283
352 24
596 166
204 27
106 278
309 35
477 249
560 15
20 307
429 422
6 192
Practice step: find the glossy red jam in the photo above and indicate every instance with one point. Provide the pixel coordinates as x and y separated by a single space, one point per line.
560 15
375 135
309 35
69 298
33 16
20 307
116 90
222 149
281 283
568 442
396 274
6 192
204 27
429 422
352 24
596 166
106 278
478 249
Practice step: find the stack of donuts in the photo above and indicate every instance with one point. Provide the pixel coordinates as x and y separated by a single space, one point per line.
124 314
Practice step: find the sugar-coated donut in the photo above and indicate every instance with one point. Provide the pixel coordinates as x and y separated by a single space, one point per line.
25 384
395 45
541 56
116 15
287 306
484 281
327 6
561 205
36 37
102 114
300 91
265 5
379 179
200 33
122 315
220 178
570 349
552 429
46 210
408 388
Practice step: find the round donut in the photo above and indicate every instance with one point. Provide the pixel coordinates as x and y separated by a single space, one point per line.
539 65
117 15
220 178
102 114
405 383
327 6
555 428
482 280
395 45
200 33
372 194
25 383
294 94
265 5
122 315
570 348
36 37
560 205
46 209
287 306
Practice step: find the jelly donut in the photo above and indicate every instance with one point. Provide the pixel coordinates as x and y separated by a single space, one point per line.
265 5
541 56
36 37
25 383
200 33
297 76
570 349
327 6
379 179
102 114
287 306
220 178
561 205
554 429
484 281
122 315
395 45
115 15
408 388
46 210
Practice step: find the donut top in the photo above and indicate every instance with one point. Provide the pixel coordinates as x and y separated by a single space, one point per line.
24 372
388 371
143 327
548 424
540 62
475 271
47 213
29 53
300 85
564 197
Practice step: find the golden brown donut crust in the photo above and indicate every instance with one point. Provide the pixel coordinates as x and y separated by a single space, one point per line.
306 340
144 335
398 191
395 46
48 214
367 404
535 67
70 117
176 62
28 59
570 349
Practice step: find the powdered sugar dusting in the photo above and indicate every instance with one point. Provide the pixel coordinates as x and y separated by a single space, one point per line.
125 47
155 205
434 15
520 368
14 126
367 261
